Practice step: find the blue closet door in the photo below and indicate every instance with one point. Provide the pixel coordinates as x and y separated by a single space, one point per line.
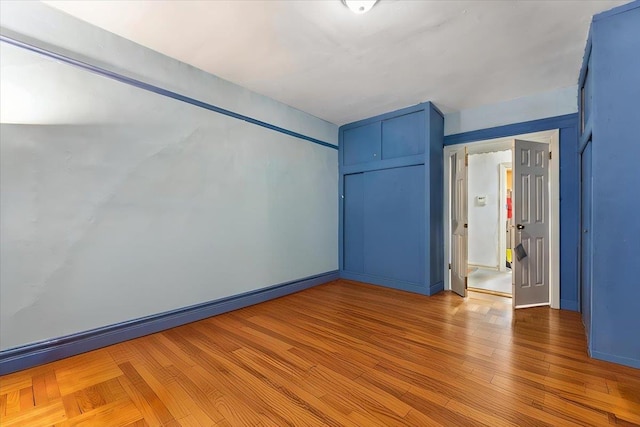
585 232
353 220
394 223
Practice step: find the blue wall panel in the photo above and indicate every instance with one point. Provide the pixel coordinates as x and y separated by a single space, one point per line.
615 65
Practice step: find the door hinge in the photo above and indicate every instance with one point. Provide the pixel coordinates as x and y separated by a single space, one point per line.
466 226
466 282
466 159
449 266
549 155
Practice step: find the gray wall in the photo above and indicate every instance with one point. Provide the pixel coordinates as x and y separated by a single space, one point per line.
116 203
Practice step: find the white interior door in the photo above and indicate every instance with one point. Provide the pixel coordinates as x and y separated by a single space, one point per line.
530 212
459 222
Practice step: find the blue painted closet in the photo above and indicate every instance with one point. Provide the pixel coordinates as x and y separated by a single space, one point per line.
391 200
609 92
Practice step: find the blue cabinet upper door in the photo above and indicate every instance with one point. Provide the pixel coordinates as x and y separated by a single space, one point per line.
394 223
403 135
361 144
353 223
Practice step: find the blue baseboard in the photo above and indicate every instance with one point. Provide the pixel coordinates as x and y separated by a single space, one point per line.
30 355
436 287
566 304
627 361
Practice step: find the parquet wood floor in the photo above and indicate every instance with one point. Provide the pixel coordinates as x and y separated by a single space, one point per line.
343 353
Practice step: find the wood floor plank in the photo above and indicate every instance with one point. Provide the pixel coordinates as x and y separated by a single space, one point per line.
3 405
339 354
280 403
71 406
94 396
193 400
147 392
329 415
164 391
143 396
196 400
26 399
44 415
115 414
40 396
14 382
85 370
142 407
477 415
417 418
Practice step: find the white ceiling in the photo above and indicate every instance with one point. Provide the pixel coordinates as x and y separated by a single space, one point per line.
321 58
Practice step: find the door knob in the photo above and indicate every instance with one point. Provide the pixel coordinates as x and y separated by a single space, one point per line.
520 227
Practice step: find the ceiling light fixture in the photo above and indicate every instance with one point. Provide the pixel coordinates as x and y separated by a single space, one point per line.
359 6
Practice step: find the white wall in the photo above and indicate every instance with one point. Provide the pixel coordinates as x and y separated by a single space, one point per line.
483 220
139 204
539 106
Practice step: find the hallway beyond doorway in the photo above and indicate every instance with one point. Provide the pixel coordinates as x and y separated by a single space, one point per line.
490 281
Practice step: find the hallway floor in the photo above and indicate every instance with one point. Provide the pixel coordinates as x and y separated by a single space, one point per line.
485 279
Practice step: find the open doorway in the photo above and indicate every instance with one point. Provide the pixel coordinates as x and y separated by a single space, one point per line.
489 218
537 233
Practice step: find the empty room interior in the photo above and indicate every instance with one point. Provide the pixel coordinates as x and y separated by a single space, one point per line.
309 213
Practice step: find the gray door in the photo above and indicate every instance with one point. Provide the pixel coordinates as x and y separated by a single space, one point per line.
459 222
531 219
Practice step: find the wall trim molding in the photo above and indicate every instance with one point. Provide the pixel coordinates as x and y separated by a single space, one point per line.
27 356
549 123
155 89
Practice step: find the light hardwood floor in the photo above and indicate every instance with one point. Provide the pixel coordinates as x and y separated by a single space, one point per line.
339 354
